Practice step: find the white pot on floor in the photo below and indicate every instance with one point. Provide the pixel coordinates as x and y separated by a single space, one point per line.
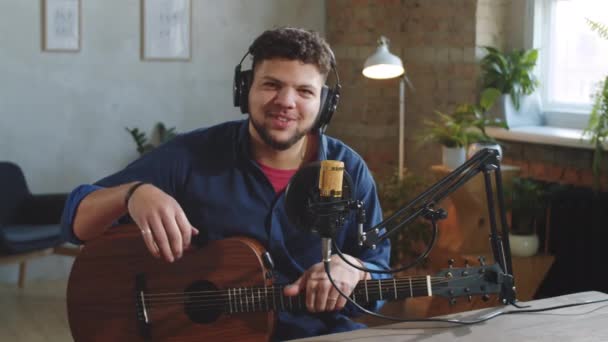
523 245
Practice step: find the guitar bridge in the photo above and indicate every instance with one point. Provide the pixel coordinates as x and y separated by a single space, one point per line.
142 319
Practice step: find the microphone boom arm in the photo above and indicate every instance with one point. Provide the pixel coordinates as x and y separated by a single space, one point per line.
485 161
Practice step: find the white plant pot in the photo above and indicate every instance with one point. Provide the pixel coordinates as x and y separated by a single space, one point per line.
453 157
523 245
529 113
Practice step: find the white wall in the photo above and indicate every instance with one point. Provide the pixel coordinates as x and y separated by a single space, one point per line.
62 115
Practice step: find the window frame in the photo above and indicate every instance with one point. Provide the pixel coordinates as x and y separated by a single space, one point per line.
557 114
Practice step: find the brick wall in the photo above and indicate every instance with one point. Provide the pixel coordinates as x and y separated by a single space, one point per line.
437 40
565 165
492 22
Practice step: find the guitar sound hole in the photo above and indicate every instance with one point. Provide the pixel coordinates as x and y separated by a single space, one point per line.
203 305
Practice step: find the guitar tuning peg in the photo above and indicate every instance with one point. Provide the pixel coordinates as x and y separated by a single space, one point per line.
451 262
466 263
469 298
452 301
485 297
482 260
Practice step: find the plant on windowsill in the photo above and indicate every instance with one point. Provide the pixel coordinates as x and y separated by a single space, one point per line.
160 135
510 73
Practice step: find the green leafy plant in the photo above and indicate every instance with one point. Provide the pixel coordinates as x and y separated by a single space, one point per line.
600 28
145 145
597 130
449 130
394 194
465 125
597 126
480 118
510 73
527 200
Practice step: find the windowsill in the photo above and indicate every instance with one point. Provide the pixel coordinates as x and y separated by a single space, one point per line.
546 135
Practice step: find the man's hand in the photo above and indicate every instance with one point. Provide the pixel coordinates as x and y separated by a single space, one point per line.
163 223
320 294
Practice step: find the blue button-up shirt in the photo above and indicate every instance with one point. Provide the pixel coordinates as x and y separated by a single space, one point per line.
223 191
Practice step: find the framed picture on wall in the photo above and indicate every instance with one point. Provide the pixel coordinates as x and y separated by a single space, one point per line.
61 24
166 29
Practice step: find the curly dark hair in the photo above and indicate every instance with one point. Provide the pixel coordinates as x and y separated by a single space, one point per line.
293 44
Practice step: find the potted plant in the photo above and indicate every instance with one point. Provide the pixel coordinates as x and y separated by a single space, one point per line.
597 126
513 75
481 120
597 130
394 194
466 125
160 135
526 200
452 132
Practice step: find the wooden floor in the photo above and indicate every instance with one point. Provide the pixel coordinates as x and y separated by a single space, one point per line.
35 313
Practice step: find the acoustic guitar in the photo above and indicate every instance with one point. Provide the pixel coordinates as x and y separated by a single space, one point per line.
118 292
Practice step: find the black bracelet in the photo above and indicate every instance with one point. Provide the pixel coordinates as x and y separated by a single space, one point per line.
131 191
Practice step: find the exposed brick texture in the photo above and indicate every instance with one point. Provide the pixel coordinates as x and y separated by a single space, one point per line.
438 41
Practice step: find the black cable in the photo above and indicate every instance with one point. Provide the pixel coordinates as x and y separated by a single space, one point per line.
553 307
418 260
445 320
397 319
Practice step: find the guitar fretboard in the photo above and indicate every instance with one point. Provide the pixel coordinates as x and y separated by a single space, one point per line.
256 299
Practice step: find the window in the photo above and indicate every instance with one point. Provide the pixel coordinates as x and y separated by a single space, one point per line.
573 58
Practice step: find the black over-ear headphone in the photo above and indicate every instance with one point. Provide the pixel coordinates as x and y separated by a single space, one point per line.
329 96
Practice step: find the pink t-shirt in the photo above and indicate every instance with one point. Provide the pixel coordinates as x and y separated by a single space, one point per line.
277 177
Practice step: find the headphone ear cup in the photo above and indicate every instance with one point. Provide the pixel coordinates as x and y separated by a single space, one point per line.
330 99
236 86
246 80
240 88
323 106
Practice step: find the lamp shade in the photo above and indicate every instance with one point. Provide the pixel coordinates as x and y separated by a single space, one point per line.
383 64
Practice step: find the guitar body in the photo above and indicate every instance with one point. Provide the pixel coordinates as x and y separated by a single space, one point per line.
107 279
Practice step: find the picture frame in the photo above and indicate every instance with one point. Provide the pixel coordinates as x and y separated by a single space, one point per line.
166 30
61 25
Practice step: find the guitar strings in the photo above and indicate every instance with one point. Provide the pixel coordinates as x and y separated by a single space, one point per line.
260 296
401 284
406 281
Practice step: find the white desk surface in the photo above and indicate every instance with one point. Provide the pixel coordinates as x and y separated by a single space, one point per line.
581 323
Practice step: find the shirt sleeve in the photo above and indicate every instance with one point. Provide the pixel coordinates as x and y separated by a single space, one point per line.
70 208
164 167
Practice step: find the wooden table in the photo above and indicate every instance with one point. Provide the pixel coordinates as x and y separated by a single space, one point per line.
581 323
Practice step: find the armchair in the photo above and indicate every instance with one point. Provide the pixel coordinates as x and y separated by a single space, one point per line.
29 224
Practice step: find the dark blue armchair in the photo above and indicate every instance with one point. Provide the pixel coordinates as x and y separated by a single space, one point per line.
29 224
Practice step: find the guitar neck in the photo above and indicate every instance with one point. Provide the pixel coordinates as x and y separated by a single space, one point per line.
256 299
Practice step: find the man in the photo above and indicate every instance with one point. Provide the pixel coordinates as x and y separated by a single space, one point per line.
230 179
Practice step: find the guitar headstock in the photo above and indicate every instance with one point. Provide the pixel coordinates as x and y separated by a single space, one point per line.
470 281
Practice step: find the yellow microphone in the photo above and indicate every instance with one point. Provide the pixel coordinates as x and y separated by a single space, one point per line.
331 174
